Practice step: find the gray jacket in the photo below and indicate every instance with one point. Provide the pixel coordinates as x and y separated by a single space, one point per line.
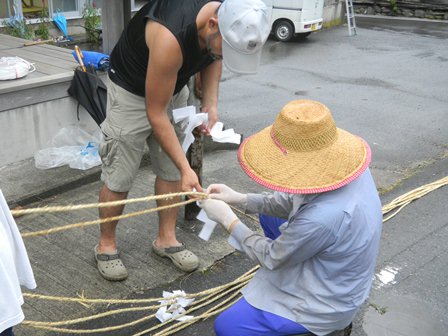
319 271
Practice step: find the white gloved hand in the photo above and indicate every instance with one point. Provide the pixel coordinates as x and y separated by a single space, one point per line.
219 212
226 194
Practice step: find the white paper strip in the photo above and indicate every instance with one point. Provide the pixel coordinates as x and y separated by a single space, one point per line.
193 120
176 308
183 113
208 228
228 135
188 114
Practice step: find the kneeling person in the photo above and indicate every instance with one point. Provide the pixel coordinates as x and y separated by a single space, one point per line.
317 264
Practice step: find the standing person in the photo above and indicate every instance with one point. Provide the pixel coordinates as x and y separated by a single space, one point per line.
166 43
15 270
317 264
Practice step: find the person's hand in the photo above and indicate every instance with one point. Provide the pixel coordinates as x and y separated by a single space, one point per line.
189 181
226 194
219 212
212 119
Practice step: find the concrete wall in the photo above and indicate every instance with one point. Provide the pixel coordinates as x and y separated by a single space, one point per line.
26 129
333 13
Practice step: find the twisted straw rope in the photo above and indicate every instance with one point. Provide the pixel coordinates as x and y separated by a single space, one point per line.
103 220
195 196
211 295
192 194
84 300
403 200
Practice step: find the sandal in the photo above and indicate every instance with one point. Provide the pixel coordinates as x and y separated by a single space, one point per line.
110 266
182 258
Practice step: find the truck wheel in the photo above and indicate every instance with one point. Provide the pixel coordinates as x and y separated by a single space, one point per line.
283 31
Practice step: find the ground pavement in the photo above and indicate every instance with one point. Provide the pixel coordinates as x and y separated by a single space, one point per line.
388 86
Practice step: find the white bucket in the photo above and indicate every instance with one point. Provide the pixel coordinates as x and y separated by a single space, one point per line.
14 67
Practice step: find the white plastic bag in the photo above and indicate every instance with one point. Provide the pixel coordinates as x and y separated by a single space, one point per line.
87 158
55 156
71 146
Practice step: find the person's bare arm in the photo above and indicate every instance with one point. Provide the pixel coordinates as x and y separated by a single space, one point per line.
210 78
165 60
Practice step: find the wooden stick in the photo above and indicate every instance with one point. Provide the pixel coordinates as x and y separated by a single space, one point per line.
27 44
80 56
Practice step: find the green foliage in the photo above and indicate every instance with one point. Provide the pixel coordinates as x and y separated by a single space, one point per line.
18 27
92 22
43 29
393 7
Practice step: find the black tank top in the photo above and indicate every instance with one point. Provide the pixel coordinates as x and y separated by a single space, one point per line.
129 58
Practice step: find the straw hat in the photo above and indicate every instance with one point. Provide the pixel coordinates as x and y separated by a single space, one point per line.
303 152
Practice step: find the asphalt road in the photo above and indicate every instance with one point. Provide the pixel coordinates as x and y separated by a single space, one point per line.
389 86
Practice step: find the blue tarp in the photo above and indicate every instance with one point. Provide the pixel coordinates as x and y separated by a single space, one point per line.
98 60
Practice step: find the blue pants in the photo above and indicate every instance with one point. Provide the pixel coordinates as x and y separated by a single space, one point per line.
270 225
7 332
242 319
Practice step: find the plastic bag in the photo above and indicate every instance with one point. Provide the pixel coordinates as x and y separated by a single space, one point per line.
70 146
87 158
56 156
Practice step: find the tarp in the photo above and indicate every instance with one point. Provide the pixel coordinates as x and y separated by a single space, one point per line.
99 60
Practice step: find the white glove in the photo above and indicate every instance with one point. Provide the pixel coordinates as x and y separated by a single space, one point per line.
226 194
219 212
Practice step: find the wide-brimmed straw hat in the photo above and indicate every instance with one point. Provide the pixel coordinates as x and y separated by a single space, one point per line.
304 152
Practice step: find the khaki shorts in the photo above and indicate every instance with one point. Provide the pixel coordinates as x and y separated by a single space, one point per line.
126 130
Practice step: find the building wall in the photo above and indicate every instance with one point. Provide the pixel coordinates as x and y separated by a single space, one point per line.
425 9
333 13
27 129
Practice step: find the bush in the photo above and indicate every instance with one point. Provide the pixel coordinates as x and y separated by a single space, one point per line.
92 22
18 27
43 29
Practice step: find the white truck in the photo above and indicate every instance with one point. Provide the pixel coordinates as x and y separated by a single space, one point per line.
294 17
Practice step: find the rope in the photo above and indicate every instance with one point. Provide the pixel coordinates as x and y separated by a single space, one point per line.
403 200
103 220
85 300
193 194
209 296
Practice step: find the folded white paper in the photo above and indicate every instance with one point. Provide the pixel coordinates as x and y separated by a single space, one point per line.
177 302
192 119
183 113
228 135
188 114
209 226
